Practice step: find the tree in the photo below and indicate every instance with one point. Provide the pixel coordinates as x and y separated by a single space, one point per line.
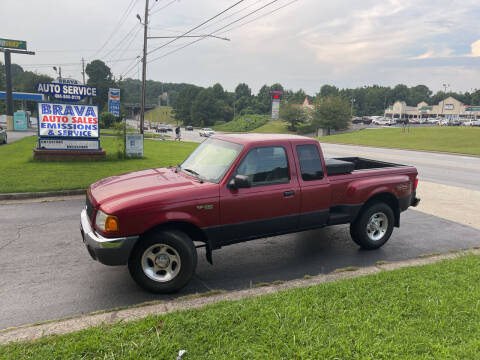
328 90
331 112
182 108
218 91
106 120
100 76
292 114
204 111
241 90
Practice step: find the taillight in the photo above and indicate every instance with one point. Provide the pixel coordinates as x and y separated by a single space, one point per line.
415 184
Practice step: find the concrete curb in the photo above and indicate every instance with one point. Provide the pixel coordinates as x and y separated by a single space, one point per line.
37 195
65 326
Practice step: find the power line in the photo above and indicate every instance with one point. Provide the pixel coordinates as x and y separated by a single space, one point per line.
233 14
196 27
114 48
163 7
120 23
259 17
212 33
185 33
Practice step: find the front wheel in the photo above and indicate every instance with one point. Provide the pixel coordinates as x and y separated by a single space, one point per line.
163 262
373 227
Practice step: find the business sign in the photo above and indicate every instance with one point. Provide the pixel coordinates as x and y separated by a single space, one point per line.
13 44
69 121
68 144
134 145
66 92
114 101
275 108
66 81
449 106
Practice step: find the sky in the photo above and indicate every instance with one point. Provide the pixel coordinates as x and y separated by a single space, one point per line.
301 44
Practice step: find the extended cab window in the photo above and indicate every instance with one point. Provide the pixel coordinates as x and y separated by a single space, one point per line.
265 166
310 163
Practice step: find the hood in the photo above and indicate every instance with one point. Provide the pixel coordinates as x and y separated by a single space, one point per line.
144 187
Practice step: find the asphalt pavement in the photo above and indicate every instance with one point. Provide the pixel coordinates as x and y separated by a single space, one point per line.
46 272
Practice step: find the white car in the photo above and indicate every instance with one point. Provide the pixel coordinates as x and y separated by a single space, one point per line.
383 121
207 132
472 123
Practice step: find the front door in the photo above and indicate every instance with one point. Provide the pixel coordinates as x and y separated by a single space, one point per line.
270 206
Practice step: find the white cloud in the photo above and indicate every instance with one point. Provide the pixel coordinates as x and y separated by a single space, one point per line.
475 49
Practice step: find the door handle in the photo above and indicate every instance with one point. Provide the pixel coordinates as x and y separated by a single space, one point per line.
289 193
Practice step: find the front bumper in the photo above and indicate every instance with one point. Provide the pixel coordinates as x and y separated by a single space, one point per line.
115 251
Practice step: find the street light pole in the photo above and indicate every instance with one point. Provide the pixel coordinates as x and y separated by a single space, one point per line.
144 67
352 100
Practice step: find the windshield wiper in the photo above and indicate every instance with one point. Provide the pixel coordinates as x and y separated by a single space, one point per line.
199 177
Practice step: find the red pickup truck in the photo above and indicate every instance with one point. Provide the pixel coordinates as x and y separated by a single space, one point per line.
235 188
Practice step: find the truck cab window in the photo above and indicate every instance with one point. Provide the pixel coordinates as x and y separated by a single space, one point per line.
310 162
265 166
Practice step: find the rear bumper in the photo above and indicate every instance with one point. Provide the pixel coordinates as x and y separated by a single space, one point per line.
406 201
415 201
115 251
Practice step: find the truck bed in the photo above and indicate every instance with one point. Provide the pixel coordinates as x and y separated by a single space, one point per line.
346 165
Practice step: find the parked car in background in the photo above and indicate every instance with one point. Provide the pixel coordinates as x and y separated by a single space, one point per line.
382 121
357 120
455 123
189 128
3 135
472 123
207 132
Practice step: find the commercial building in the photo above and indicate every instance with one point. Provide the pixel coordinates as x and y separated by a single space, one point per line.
450 109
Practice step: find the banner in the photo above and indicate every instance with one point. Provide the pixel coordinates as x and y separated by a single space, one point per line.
114 102
66 92
70 121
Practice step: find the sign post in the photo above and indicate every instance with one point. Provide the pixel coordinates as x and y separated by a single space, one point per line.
8 47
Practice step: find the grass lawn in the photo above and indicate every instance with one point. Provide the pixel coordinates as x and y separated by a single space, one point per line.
244 123
161 114
19 173
428 312
274 126
465 140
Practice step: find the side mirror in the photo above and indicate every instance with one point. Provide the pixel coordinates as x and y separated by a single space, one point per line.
239 181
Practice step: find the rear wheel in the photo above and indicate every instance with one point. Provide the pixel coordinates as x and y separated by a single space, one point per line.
164 261
373 227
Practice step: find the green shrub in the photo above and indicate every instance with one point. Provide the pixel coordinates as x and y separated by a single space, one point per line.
243 123
107 120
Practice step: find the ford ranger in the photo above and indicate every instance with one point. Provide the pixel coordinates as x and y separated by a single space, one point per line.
235 188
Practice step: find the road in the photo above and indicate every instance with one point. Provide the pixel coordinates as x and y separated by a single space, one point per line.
454 170
46 273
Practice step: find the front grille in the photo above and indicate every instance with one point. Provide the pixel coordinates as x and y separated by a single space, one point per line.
89 208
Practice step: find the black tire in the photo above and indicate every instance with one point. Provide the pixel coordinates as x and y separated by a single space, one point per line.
359 228
181 243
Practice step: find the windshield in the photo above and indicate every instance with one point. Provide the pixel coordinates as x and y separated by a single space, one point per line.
211 160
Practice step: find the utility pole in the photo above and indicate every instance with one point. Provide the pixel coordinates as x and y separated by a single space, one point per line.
83 70
144 66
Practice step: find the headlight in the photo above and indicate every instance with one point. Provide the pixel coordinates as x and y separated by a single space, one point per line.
106 222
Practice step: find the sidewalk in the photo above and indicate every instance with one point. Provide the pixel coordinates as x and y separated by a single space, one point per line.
17 135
